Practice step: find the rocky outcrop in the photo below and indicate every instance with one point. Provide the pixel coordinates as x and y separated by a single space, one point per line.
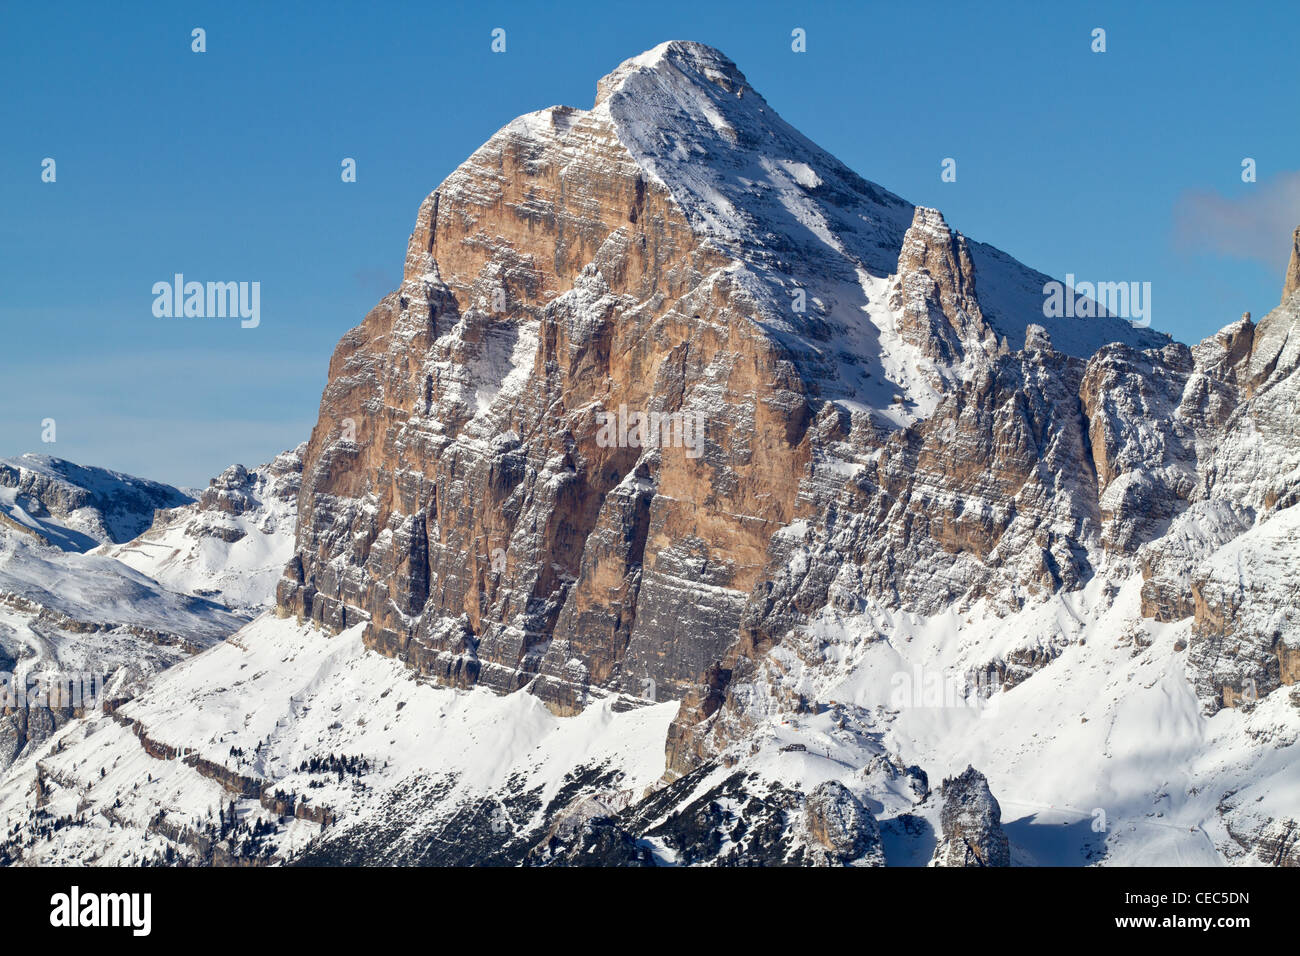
230 491
1225 559
934 294
972 824
1246 626
841 830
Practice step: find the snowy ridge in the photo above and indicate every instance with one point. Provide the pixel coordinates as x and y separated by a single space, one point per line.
430 754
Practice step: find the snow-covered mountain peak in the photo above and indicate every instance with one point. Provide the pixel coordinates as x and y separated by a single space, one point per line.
679 61
799 220
744 176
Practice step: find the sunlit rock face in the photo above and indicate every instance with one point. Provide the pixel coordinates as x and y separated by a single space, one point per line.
664 381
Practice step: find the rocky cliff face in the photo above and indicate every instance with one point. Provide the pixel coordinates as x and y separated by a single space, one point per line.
824 364
1225 557
1038 472
1292 282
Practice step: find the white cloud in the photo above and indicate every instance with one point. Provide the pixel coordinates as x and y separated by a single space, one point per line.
1255 225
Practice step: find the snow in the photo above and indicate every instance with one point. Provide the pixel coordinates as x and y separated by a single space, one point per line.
92 589
316 694
796 217
191 552
1110 726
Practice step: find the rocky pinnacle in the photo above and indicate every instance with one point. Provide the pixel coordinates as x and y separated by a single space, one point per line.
1293 269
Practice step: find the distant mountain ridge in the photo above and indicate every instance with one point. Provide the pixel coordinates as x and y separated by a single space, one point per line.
75 507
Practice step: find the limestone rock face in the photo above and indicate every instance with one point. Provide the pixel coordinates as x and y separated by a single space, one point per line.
972 824
1226 557
664 382
460 491
935 294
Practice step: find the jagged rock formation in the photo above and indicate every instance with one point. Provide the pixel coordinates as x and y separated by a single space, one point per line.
1292 281
972 824
1225 559
842 829
1038 470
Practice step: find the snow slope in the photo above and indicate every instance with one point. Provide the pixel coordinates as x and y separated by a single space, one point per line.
1100 755
432 753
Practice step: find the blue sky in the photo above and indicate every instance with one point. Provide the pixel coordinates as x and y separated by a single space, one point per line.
225 166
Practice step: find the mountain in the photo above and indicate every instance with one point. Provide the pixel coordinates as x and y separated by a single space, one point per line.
187 574
695 501
71 618
76 508
232 543
643 255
